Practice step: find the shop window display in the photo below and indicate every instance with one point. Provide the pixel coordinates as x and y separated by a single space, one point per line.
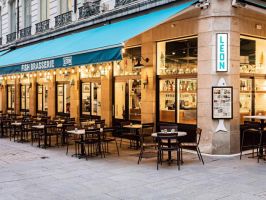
177 57
178 100
253 87
128 100
91 99
63 98
25 97
42 98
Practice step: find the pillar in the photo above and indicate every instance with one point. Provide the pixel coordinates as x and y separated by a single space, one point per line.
148 81
17 96
216 20
4 97
107 98
52 97
33 97
74 96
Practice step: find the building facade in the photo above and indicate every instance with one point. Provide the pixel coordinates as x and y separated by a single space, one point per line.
172 55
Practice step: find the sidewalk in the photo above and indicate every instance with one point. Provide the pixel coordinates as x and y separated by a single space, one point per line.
31 173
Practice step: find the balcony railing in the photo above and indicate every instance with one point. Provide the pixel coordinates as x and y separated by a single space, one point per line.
42 26
63 19
89 9
11 37
25 32
123 2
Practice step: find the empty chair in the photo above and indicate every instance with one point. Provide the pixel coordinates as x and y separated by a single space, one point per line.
193 145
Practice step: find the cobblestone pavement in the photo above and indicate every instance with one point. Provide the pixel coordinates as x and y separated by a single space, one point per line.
31 173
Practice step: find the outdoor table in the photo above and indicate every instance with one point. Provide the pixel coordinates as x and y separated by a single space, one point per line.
81 133
42 127
134 128
262 119
179 134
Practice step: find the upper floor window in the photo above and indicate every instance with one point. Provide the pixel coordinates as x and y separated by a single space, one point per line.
65 6
44 10
12 16
27 13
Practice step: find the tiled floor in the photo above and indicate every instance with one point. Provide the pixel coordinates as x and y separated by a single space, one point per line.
25 175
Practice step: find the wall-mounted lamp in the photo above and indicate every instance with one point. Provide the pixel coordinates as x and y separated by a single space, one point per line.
139 65
145 81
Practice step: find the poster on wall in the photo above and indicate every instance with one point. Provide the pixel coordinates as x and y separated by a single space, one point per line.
222 102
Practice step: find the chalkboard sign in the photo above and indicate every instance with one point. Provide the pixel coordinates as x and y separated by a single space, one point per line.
222 102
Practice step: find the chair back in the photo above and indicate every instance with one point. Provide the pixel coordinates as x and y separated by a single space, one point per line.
163 138
169 127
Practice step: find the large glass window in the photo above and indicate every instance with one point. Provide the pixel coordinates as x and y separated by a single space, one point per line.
178 100
63 98
42 98
10 97
177 57
91 99
253 86
128 99
27 13
25 97
131 63
12 16
252 55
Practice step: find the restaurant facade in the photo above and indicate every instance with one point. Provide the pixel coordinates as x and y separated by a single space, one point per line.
159 66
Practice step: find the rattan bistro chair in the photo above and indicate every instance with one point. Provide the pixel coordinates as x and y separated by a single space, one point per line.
193 145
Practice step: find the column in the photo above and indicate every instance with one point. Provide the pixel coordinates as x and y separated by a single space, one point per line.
33 96
148 76
4 97
17 96
107 98
74 96
52 97
216 20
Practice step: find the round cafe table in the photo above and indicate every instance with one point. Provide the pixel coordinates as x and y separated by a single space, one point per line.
179 134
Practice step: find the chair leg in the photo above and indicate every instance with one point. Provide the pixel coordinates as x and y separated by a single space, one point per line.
117 147
242 143
140 154
199 153
158 155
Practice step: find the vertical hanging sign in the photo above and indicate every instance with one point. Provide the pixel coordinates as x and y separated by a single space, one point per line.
222 52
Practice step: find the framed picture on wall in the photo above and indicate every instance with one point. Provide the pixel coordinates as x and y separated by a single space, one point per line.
222 102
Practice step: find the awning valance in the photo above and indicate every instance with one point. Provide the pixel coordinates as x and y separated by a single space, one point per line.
101 44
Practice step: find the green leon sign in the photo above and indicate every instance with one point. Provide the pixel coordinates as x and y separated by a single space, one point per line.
222 52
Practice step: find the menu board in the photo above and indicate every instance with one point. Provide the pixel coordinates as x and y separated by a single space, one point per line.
222 102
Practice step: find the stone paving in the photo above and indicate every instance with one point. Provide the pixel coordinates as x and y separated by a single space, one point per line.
31 173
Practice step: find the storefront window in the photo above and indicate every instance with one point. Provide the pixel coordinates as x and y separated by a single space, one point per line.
128 100
63 98
10 97
42 99
252 55
96 99
253 88
130 65
177 57
25 97
178 100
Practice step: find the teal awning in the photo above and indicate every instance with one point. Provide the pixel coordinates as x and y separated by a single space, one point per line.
95 45
258 3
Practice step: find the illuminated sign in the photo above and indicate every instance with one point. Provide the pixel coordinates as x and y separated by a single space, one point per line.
222 52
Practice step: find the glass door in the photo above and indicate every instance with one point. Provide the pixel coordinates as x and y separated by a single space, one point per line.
63 98
25 97
10 97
